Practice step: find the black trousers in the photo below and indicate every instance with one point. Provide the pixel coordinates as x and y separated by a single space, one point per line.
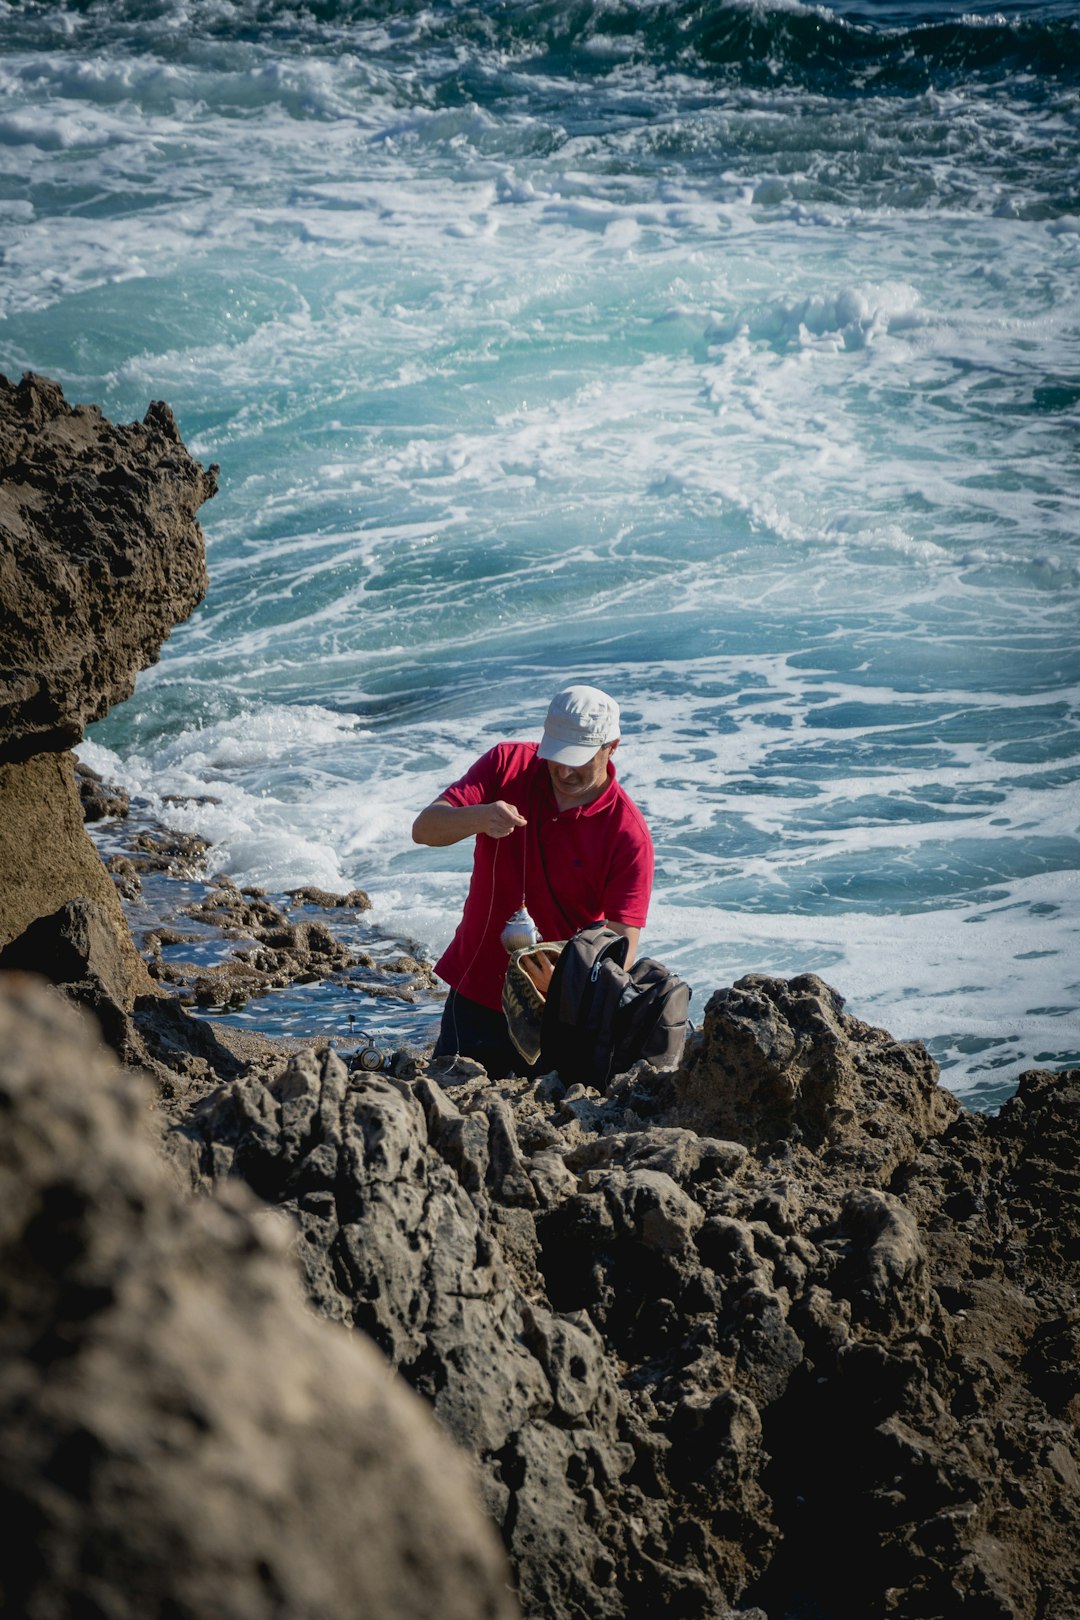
471 1030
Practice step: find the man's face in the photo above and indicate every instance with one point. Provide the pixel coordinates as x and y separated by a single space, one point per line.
580 784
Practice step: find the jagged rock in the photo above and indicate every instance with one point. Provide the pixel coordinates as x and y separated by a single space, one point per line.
704 1333
779 1059
100 556
887 1280
650 1207
392 1241
79 949
181 1435
355 900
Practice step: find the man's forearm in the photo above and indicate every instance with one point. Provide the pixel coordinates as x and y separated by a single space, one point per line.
633 935
441 823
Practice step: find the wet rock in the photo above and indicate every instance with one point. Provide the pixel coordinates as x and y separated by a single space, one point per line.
100 799
159 849
125 876
355 900
272 952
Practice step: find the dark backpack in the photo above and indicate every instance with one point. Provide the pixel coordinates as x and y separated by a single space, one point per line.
599 1019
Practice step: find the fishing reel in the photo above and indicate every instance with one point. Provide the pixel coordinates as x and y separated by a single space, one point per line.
369 1057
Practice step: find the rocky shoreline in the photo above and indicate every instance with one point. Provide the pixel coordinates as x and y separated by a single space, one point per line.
784 1332
220 949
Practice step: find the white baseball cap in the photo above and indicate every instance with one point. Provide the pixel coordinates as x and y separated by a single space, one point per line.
580 719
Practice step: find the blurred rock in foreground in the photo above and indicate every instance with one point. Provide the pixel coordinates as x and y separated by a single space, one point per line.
181 1436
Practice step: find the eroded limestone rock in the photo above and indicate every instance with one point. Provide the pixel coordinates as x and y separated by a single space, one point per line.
703 1333
48 861
780 1060
100 556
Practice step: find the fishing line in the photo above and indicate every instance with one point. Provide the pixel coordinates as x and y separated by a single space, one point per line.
519 930
483 937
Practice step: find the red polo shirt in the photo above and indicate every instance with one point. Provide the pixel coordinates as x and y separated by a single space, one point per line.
593 863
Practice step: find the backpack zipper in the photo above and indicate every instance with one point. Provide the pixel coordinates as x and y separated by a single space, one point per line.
594 971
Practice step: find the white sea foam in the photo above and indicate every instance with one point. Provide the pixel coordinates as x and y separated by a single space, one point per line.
979 976
751 403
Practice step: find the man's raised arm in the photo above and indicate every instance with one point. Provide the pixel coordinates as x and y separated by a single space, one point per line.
443 823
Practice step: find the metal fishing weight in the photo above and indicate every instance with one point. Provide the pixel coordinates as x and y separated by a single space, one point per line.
519 931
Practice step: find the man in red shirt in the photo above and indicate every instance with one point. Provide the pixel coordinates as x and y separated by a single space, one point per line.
555 831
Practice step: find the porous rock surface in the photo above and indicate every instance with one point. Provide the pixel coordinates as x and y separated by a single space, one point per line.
783 1330
48 861
182 1436
100 556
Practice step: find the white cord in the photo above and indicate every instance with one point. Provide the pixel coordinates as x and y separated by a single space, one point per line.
524 853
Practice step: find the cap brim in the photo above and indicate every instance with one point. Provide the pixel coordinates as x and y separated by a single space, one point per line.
566 753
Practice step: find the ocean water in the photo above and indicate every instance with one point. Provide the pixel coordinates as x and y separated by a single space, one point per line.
723 355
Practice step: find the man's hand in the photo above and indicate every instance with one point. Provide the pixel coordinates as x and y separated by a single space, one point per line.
442 823
502 818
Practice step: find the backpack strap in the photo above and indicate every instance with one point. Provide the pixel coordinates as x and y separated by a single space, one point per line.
578 1022
580 964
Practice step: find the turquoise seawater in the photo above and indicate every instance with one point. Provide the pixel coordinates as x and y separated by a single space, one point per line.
723 355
